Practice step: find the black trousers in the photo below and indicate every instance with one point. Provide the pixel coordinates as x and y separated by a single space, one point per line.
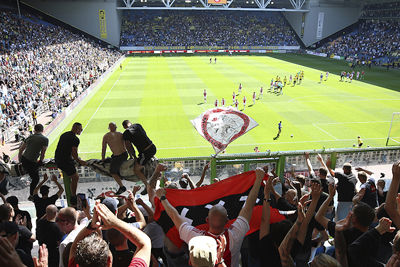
32 168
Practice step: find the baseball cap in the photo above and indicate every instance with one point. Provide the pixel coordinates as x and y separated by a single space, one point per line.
203 251
111 203
347 164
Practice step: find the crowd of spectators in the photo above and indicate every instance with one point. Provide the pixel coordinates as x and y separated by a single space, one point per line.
385 10
44 65
373 40
358 228
205 28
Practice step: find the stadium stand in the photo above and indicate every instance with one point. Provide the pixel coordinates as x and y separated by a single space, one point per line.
288 221
44 67
376 38
199 28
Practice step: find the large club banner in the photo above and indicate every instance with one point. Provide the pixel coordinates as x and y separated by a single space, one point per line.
221 126
194 204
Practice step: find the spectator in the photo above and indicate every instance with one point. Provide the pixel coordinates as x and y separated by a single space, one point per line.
10 231
66 153
217 218
25 237
122 255
67 220
89 249
48 232
13 200
29 152
202 28
41 203
380 186
346 188
368 193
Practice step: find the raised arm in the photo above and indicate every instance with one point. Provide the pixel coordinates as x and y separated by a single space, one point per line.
321 160
328 164
320 216
203 175
169 209
340 241
136 236
360 194
359 169
149 210
315 194
60 188
391 203
308 162
36 190
187 178
133 207
286 245
247 210
266 213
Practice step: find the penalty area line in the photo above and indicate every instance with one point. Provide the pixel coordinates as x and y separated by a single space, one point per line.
108 93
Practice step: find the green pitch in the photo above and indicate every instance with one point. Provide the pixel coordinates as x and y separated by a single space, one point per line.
165 93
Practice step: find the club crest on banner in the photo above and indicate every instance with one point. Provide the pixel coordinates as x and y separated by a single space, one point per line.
221 126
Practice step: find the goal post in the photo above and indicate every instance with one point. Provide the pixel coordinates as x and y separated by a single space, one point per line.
393 138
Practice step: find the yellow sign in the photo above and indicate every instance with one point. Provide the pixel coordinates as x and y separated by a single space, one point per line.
103 24
217 2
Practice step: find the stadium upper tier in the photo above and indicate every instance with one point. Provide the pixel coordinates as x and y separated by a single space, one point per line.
43 65
205 28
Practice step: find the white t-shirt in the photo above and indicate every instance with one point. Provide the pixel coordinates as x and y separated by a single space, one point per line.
236 232
70 238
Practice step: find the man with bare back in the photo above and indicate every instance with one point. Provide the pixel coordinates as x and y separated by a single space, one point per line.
116 143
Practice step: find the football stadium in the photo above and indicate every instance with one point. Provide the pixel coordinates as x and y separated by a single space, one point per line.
200 133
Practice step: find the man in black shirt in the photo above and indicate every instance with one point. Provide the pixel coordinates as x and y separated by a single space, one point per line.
67 152
368 193
41 203
49 233
10 231
136 135
346 188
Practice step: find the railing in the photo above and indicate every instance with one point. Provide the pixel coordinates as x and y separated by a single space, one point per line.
226 165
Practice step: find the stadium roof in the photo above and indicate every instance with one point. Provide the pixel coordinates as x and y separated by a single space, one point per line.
245 5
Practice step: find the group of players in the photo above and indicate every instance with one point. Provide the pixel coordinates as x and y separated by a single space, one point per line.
348 76
276 87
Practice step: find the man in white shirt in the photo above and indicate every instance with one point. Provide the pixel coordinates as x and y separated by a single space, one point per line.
217 219
67 220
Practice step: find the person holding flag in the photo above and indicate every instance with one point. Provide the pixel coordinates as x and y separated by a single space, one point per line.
254 98
244 102
205 96
216 220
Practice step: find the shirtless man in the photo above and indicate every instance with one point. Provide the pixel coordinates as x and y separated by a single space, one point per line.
116 143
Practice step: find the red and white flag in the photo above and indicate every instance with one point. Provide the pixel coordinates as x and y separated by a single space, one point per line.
221 126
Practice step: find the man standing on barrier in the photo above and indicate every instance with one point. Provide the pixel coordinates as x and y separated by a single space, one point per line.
33 147
66 153
136 135
116 143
